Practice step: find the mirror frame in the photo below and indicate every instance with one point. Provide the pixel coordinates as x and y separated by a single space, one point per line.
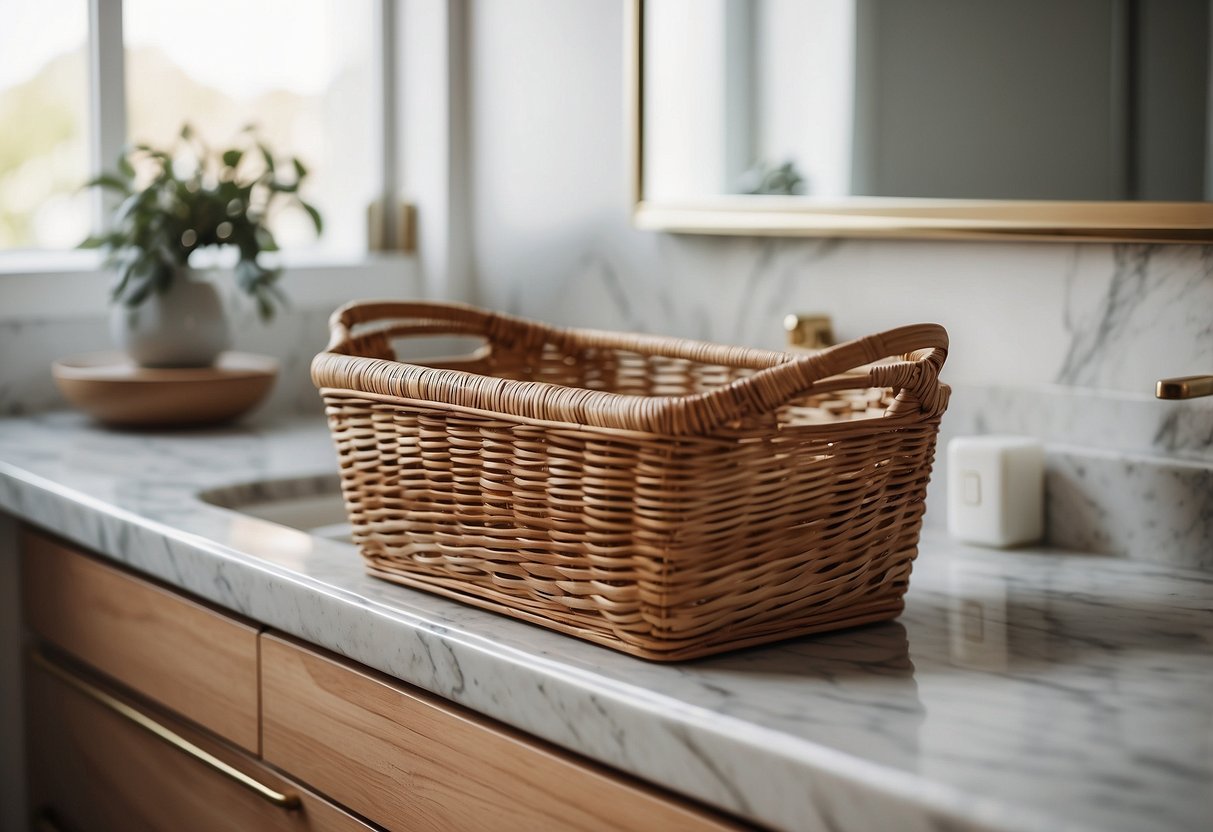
893 217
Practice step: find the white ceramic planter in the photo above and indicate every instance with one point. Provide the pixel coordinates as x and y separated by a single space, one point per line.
184 326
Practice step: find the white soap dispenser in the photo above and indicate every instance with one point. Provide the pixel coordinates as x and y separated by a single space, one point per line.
996 490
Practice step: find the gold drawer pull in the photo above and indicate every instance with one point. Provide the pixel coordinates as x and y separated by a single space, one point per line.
286 801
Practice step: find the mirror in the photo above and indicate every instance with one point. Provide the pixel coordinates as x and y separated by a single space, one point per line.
1074 119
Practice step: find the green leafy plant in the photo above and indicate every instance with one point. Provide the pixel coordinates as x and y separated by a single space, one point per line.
187 197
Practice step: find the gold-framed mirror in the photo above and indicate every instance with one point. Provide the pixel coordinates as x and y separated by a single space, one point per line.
947 119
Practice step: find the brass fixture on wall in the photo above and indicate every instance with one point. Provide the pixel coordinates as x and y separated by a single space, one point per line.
391 227
809 331
1187 387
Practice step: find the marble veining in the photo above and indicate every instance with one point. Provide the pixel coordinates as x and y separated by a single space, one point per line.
1118 504
1149 315
1030 690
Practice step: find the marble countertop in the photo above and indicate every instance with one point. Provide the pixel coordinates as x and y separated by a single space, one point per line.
1029 690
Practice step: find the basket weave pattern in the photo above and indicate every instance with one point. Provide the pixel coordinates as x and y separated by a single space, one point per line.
664 497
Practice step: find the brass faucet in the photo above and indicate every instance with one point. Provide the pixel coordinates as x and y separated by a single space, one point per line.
1188 387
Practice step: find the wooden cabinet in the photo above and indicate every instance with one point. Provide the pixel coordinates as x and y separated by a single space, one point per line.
412 761
94 769
196 661
151 711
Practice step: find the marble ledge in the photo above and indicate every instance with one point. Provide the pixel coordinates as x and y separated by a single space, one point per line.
1126 475
1030 690
1130 506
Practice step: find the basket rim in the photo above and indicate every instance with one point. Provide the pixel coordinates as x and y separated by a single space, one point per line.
784 377
724 437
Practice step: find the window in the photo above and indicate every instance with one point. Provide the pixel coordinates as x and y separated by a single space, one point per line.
299 69
44 113
303 71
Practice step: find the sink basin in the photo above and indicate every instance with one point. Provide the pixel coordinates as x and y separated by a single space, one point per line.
311 504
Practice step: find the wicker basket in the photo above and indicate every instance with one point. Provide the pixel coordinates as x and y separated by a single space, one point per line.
664 497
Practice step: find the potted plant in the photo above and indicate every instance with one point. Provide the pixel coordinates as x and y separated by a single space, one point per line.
176 201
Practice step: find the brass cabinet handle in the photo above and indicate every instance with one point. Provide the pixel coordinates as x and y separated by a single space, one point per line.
285 801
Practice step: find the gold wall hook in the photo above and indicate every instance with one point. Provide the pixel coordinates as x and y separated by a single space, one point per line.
1187 387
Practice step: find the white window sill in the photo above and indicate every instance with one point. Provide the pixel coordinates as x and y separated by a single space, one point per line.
73 284
48 262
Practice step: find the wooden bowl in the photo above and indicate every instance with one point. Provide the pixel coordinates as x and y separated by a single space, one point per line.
112 389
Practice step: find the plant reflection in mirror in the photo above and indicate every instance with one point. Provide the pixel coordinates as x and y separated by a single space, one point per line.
764 178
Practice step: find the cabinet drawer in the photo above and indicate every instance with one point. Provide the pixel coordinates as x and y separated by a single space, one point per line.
198 662
95 769
411 761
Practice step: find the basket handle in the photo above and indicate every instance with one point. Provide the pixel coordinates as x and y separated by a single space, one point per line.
916 379
432 318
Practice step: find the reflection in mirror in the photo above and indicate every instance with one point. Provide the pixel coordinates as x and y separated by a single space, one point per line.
1077 100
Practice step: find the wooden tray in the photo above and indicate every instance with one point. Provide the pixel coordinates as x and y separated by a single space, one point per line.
112 389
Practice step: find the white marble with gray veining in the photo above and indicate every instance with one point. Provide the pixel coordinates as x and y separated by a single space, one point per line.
1031 690
1160 510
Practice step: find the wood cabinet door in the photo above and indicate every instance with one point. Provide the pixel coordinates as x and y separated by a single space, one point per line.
411 761
197 661
94 768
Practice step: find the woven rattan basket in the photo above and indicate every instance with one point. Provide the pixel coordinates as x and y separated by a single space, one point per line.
664 497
